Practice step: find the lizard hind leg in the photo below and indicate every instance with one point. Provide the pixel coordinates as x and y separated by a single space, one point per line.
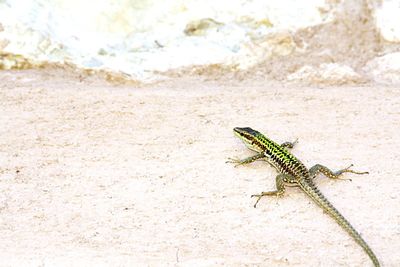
318 168
281 179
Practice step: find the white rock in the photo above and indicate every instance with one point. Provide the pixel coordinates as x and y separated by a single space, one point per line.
326 73
387 17
141 37
384 69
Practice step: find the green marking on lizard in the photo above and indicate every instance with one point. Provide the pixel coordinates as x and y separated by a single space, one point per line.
292 172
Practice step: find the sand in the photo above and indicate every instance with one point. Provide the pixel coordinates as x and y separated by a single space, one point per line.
95 174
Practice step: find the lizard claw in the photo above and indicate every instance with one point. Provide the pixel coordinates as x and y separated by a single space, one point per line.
349 170
235 161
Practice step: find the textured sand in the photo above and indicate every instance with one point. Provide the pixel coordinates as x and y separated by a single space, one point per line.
94 174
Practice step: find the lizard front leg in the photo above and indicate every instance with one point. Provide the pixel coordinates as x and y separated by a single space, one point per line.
281 179
246 160
290 144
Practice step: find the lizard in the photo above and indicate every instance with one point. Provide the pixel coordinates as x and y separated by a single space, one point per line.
292 172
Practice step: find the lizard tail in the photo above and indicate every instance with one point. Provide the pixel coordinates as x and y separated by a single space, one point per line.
313 192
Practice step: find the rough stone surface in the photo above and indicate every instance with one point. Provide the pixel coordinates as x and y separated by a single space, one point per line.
94 174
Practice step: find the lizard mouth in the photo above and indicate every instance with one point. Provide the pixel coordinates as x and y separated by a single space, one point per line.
245 133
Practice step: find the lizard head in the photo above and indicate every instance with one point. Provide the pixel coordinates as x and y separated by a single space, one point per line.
248 136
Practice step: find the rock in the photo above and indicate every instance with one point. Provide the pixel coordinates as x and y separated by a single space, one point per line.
384 69
326 73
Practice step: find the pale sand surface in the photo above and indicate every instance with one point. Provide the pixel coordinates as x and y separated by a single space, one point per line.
93 174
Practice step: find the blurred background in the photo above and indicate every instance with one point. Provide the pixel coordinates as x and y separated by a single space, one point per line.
316 41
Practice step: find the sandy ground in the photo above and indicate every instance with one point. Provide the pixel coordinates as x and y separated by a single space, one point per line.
93 174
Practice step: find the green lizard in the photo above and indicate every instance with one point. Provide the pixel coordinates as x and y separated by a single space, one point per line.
293 173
